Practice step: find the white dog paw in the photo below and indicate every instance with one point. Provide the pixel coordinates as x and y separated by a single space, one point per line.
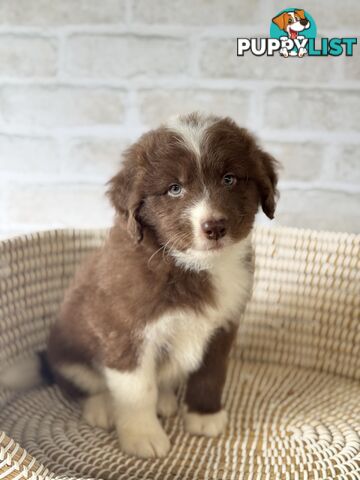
302 52
167 403
97 411
284 52
210 424
144 441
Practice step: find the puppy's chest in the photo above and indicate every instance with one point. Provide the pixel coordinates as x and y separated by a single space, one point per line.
180 337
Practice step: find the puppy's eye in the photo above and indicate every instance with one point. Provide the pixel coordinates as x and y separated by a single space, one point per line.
229 180
290 20
175 190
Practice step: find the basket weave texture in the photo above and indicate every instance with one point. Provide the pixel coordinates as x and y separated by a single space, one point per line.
292 390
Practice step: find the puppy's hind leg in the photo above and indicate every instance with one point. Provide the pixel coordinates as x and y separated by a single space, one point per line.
97 411
97 407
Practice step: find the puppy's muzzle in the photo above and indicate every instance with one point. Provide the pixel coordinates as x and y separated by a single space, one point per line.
214 229
304 22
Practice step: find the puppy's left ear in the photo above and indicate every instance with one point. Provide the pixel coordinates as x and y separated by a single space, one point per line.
266 180
126 196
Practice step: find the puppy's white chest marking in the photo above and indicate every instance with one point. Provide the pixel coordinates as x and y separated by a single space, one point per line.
179 338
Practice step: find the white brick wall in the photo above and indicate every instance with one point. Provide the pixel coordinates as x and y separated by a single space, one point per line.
79 80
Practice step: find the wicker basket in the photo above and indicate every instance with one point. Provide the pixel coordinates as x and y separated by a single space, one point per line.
292 392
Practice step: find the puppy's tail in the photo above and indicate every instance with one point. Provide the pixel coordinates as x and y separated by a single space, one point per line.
27 373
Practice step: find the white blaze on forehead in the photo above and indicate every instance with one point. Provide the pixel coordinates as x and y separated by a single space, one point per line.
191 131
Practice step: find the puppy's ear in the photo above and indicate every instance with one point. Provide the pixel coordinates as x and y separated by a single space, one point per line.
281 20
125 194
301 13
266 180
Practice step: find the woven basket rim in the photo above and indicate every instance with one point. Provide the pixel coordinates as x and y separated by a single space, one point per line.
292 231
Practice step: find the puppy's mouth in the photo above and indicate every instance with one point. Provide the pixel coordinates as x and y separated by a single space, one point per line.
214 246
293 34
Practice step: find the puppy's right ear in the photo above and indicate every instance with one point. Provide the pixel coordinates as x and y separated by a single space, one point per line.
301 13
266 180
125 194
281 20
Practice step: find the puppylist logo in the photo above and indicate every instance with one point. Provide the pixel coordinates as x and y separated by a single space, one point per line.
293 34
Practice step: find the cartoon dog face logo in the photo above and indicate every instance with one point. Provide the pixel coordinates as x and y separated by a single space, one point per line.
292 22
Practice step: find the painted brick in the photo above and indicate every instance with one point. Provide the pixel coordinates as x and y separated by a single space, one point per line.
95 158
352 64
319 210
27 56
299 161
218 59
198 12
61 12
106 56
26 155
58 106
313 109
61 205
156 106
347 164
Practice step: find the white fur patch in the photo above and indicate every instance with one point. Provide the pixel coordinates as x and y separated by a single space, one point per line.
199 213
98 412
135 388
211 424
167 403
143 438
183 335
83 377
192 134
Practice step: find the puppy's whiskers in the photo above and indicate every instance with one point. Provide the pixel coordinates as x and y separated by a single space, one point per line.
165 250
154 254
175 242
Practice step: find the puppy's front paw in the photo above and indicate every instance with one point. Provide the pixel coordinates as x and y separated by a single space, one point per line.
144 440
167 403
97 411
209 424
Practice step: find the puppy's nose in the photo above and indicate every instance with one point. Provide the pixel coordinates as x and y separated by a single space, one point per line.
214 229
304 22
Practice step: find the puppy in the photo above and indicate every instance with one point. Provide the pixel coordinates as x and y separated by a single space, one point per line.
292 23
160 302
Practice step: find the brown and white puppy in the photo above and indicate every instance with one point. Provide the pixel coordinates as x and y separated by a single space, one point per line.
160 302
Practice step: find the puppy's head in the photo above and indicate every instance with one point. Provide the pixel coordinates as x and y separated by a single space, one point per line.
196 183
292 22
